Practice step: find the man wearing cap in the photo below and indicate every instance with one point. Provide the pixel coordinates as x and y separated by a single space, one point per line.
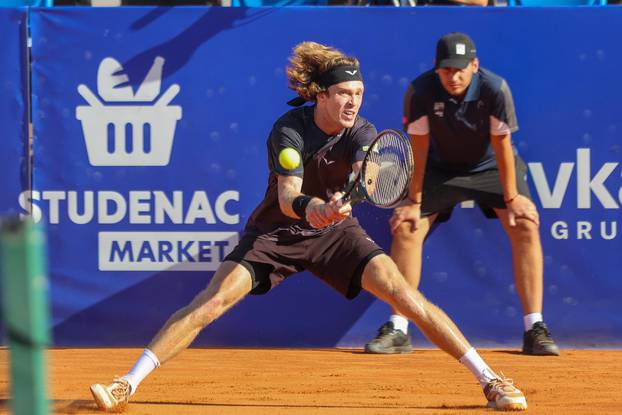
302 225
460 117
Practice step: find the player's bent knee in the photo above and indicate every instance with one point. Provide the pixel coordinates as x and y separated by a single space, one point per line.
399 294
381 277
526 229
406 234
395 285
400 285
410 303
404 230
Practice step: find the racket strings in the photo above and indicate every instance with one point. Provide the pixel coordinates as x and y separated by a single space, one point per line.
388 169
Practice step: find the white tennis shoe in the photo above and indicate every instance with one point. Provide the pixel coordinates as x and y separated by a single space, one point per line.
113 397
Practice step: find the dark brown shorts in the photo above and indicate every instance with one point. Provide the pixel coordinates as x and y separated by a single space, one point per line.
443 190
338 257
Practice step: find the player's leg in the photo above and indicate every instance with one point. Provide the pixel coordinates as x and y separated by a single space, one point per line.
229 285
439 198
526 257
382 278
406 251
527 265
526 260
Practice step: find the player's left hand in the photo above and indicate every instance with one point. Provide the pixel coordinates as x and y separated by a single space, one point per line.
522 207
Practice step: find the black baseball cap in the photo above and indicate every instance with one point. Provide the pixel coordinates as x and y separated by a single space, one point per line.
454 50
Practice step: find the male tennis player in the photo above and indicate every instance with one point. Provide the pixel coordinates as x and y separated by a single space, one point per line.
302 225
461 118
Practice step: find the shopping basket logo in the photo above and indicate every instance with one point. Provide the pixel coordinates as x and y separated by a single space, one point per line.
126 128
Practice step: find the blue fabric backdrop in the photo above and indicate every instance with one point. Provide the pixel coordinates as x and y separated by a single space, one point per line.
127 228
13 109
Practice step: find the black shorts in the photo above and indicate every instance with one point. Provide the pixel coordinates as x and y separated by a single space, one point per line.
442 190
338 257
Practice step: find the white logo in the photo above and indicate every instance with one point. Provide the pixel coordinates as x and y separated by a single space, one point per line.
164 251
439 109
352 72
592 192
460 49
127 125
126 134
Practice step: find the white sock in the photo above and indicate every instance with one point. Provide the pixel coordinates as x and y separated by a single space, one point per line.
399 322
145 364
474 362
531 319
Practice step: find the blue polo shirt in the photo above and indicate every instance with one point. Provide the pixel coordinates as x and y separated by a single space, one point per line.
460 129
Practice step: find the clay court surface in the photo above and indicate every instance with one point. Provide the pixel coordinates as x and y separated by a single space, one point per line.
332 382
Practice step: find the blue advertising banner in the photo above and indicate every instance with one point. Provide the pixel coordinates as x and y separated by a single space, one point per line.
13 109
150 141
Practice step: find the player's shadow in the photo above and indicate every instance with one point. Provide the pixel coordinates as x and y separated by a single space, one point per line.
61 406
185 44
352 351
79 406
416 352
89 407
512 352
283 406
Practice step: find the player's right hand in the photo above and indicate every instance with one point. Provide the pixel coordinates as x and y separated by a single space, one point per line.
522 207
408 213
341 209
321 214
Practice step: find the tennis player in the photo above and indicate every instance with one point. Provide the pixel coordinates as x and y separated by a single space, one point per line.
461 118
303 225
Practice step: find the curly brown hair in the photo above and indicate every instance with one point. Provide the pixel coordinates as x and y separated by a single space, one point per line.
308 61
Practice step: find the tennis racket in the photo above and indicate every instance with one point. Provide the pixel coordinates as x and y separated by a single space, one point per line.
385 174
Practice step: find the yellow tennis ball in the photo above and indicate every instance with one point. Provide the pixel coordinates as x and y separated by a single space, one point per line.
289 158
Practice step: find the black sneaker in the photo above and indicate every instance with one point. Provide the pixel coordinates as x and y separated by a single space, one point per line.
538 341
389 341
